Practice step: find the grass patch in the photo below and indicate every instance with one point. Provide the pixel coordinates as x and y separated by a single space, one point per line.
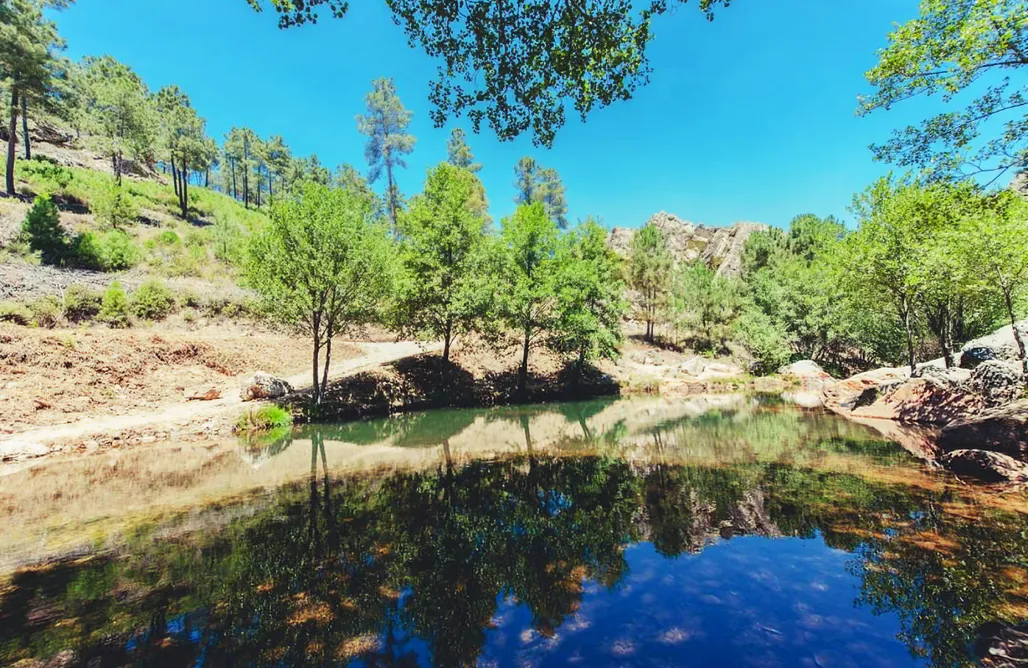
265 418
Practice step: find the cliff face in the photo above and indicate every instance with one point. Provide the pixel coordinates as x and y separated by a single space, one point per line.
720 247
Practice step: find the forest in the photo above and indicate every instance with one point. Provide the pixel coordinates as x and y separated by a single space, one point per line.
935 257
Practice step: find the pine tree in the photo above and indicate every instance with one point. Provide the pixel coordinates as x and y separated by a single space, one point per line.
459 153
535 183
386 128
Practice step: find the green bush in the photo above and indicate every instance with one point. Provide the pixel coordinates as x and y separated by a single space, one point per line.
46 312
152 301
168 238
81 303
114 206
114 309
264 418
46 175
19 314
42 229
113 250
769 342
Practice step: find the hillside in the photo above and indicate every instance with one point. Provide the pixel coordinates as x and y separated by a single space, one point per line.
719 247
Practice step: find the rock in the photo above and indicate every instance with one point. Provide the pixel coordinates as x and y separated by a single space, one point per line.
719 247
997 382
13 450
985 465
805 370
694 366
264 386
972 357
919 401
204 394
952 377
999 345
1003 429
845 395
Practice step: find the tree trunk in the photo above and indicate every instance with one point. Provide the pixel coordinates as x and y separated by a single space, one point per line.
235 191
316 387
1013 325
246 176
184 197
25 126
271 184
207 178
905 314
174 175
447 338
11 135
391 195
523 371
117 167
328 361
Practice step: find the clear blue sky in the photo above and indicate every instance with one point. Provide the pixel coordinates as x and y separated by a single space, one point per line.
750 117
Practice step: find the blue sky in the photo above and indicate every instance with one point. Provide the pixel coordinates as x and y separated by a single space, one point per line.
750 117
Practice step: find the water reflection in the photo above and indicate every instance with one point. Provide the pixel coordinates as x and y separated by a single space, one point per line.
538 559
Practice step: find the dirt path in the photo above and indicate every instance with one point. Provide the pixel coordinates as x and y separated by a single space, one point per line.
182 415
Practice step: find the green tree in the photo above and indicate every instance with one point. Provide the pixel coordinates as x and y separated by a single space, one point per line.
992 246
535 183
458 153
705 305
28 44
42 229
590 296
442 251
322 266
525 291
385 125
649 274
183 139
951 48
118 111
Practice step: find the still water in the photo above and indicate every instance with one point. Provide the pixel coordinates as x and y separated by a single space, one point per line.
731 531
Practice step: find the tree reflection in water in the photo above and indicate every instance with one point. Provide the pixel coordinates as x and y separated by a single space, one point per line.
417 568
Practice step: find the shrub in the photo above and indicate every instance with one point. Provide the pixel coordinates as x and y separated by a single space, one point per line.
168 238
113 250
114 206
114 310
46 312
46 175
767 341
264 418
81 303
19 314
42 229
189 315
152 301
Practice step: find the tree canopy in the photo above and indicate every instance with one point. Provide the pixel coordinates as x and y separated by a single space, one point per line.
954 46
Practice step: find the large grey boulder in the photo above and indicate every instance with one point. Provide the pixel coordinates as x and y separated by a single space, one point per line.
264 386
1000 345
997 382
951 377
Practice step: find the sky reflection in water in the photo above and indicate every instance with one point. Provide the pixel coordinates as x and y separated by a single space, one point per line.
615 534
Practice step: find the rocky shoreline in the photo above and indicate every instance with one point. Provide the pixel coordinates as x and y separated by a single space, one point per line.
979 406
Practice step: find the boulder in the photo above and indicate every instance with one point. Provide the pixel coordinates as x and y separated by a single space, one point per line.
203 394
1000 345
997 382
985 465
952 377
1003 429
972 357
264 386
804 370
862 389
925 400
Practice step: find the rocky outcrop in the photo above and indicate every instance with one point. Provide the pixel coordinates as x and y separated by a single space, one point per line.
1003 429
998 383
985 465
719 247
264 386
805 371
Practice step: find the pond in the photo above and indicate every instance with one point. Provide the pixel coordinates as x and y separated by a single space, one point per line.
652 532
